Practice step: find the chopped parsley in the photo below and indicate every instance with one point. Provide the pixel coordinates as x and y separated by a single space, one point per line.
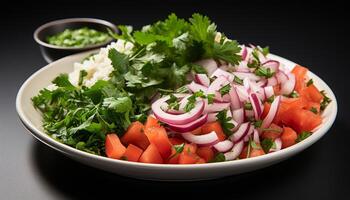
264 72
271 99
191 101
178 149
302 136
267 144
225 122
237 80
248 106
257 123
173 103
314 110
225 89
293 94
326 100
219 157
310 82
210 98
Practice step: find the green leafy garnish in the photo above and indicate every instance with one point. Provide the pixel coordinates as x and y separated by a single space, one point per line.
267 144
310 82
325 101
264 72
210 98
219 157
271 99
173 103
302 136
248 106
178 149
257 123
82 74
314 110
237 80
225 122
225 89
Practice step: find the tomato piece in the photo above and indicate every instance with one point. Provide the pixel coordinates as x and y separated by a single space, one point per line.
273 132
301 120
214 126
151 155
152 122
135 135
159 138
205 153
114 148
311 93
176 141
288 137
300 76
253 152
132 153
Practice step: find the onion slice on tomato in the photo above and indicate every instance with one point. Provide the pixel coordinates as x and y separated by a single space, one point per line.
272 113
223 146
200 139
235 151
176 119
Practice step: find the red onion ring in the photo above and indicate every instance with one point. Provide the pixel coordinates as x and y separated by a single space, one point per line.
248 75
244 52
194 87
269 91
278 144
202 79
256 104
212 117
288 86
176 119
223 146
273 65
201 139
241 132
272 81
209 65
235 151
238 115
219 72
215 107
272 113
190 126
235 101
281 77
256 137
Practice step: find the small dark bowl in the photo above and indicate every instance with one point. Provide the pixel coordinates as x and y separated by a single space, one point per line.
52 52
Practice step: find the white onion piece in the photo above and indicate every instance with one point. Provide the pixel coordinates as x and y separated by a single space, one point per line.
219 72
238 115
278 144
273 65
215 107
281 77
246 83
269 91
249 75
200 139
235 101
272 113
249 113
212 117
202 79
241 132
223 146
242 93
176 119
272 81
288 86
209 65
235 151
181 128
256 137
195 87
256 104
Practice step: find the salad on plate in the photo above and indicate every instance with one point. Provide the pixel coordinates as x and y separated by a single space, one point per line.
180 92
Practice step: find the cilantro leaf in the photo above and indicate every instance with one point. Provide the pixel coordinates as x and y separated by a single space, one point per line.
325 101
310 82
302 136
219 157
225 89
225 122
267 144
62 81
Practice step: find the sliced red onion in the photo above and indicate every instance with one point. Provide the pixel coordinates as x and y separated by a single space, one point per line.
261 94
242 67
212 117
250 132
238 115
269 91
190 126
262 83
273 65
232 121
176 119
241 132
281 77
219 72
256 137
256 104
278 145
202 79
288 86
272 113
201 139
246 83
216 85
216 107
249 75
235 151
235 101
209 65
195 87
223 146
244 52
272 81
242 93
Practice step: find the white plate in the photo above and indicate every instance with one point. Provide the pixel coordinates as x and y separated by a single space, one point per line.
32 120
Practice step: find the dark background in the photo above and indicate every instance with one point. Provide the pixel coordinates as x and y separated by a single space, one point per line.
310 33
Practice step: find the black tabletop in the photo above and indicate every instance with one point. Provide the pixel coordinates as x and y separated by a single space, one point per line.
313 35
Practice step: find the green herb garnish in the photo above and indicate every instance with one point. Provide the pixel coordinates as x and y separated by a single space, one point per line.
310 82
219 157
302 136
325 102
225 122
225 89
267 144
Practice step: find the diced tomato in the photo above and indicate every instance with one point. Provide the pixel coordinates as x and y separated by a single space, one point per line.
253 152
190 148
206 153
159 138
174 157
132 153
312 105
273 132
151 155
135 135
286 104
114 148
187 156
152 122
214 126
301 120
300 76
266 110
311 93
176 141
201 161
288 137
197 131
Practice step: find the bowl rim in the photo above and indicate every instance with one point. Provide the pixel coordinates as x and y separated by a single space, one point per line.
69 20
46 139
